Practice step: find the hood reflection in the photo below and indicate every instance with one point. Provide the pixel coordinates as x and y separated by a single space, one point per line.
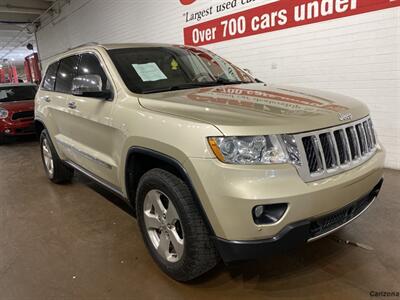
267 101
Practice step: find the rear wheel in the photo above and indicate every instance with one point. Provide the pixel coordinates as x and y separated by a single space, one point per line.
172 226
55 169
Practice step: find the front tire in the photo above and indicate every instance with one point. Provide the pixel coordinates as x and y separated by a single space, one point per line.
55 168
172 227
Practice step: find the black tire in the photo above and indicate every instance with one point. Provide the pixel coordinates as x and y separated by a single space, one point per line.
61 173
199 253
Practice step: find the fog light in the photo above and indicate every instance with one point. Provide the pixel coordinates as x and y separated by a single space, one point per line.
269 214
7 131
258 210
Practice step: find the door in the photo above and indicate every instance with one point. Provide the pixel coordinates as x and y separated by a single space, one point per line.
56 95
48 104
90 132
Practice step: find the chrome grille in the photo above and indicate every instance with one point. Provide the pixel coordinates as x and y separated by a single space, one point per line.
334 150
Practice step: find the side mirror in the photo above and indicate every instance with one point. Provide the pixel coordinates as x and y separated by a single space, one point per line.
90 85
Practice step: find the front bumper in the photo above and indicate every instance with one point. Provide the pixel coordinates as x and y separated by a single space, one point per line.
228 194
298 233
17 128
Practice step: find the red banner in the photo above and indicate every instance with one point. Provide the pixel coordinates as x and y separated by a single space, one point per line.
277 16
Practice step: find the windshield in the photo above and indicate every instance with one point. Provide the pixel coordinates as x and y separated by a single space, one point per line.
17 93
159 69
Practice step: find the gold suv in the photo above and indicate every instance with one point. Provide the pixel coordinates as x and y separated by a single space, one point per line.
216 163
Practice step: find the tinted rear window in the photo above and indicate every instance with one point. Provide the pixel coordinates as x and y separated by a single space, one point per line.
50 78
17 93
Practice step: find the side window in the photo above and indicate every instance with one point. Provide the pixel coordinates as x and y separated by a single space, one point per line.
90 65
50 77
66 72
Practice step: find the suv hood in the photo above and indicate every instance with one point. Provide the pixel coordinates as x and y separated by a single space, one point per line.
256 109
17 106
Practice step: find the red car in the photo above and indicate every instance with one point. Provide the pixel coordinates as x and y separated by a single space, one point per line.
16 110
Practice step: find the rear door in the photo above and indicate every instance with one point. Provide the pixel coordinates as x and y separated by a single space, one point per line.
90 131
48 105
58 101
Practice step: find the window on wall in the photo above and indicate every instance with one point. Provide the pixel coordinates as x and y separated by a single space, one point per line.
66 72
50 77
90 65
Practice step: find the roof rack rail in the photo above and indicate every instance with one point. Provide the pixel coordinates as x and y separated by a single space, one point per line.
84 44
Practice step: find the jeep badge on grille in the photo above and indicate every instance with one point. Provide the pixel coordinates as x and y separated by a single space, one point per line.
345 116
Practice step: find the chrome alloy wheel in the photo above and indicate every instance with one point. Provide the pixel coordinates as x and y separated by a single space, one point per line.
48 157
163 225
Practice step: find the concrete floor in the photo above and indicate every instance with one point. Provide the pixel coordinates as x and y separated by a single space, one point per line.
79 242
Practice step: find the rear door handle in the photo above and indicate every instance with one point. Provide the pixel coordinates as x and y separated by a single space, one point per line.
72 105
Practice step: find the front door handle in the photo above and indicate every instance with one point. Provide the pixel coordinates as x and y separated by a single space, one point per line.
46 98
72 104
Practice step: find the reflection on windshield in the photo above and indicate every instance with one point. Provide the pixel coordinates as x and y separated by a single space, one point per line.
158 69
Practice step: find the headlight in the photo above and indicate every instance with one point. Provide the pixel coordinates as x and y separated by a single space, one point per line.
3 113
250 150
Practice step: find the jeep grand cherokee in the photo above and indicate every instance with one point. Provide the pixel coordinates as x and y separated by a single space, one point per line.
216 163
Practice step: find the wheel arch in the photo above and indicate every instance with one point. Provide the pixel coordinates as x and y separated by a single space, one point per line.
39 126
139 160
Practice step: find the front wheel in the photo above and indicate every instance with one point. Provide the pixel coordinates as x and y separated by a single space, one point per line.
55 168
172 226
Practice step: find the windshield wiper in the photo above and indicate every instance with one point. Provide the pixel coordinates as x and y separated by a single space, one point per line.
223 81
189 85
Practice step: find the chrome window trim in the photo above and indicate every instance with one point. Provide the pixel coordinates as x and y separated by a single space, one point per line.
303 169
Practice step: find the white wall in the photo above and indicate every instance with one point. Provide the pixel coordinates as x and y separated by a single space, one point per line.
357 56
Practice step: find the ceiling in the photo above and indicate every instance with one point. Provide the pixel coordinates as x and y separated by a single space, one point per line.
14 16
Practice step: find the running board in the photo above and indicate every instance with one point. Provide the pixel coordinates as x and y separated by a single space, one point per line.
95 178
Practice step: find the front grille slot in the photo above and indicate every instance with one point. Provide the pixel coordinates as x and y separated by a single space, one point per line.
336 149
312 152
368 135
353 142
23 115
328 149
342 146
371 127
362 139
